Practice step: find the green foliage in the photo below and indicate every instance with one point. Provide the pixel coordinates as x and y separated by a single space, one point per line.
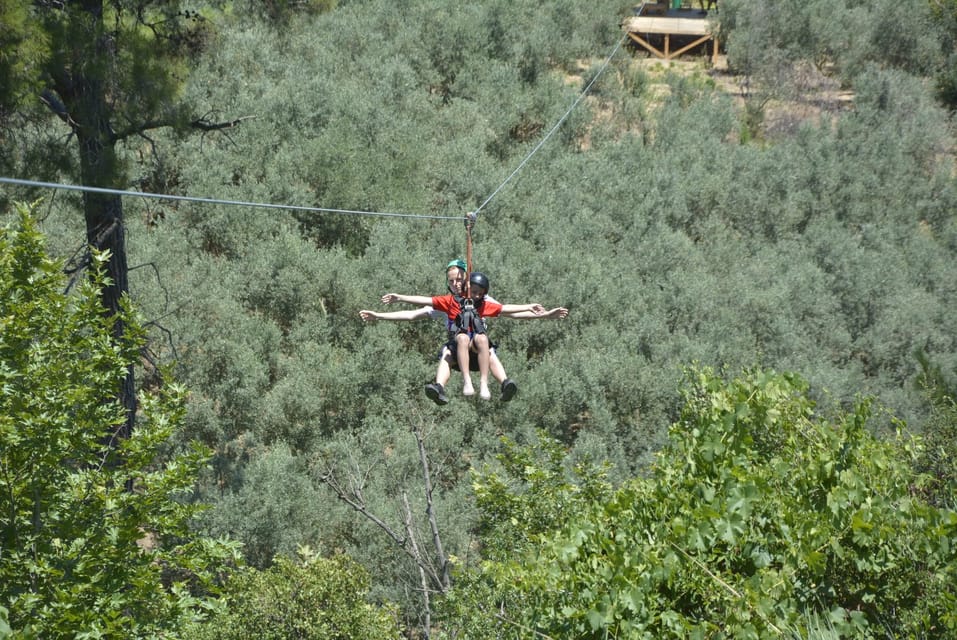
314 599
142 87
945 14
827 249
532 491
939 458
280 12
836 37
759 517
94 533
795 51
380 468
276 487
22 43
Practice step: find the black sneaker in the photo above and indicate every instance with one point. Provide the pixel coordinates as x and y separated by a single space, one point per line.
436 393
509 389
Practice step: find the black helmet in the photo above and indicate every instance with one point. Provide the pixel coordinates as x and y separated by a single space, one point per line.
478 279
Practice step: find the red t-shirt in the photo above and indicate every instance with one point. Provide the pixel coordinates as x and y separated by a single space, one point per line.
450 307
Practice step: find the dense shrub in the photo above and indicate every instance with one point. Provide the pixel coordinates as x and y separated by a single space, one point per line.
759 516
313 599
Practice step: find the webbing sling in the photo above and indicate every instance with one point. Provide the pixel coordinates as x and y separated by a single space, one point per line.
469 319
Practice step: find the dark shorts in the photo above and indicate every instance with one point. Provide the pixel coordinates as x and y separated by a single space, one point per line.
449 349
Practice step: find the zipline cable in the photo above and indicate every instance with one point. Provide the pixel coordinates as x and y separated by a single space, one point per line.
262 205
580 97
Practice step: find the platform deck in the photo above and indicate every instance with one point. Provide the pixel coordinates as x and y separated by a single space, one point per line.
681 23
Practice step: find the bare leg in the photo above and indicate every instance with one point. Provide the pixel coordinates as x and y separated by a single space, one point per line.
495 366
509 388
444 371
480 343
462 343
435 391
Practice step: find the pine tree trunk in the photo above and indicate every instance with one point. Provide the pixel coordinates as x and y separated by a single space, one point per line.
104 224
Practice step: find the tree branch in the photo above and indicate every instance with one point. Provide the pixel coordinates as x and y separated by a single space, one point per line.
356 503
203 124
54 104
206 125
427 624
433 524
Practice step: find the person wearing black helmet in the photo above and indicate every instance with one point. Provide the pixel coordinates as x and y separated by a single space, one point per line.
468 339
448 355
468 334
455 279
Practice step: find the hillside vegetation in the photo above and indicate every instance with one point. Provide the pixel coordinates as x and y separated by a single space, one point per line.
796 252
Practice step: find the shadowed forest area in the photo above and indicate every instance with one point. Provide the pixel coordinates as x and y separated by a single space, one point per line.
745 426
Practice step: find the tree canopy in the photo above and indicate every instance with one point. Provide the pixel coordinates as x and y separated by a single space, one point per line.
95 536
760 518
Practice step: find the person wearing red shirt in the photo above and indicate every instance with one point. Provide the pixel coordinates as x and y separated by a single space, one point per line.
450 308
455 279
469 334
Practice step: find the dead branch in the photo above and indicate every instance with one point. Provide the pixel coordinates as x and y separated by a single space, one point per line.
358 505
426 599
445 580
205 125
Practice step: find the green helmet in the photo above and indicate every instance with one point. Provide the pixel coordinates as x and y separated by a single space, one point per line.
458 262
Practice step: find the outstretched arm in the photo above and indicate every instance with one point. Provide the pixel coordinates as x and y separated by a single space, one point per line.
389 298
557 314
404 316
533 307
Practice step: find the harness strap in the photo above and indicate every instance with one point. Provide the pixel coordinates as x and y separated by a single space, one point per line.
469 319
469 223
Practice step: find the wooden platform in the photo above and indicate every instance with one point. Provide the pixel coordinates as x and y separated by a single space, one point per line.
682 23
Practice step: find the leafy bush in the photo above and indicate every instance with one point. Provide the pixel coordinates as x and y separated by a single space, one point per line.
94 535
759 517
316 599
939 458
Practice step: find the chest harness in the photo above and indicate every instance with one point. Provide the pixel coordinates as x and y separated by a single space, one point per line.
469 320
